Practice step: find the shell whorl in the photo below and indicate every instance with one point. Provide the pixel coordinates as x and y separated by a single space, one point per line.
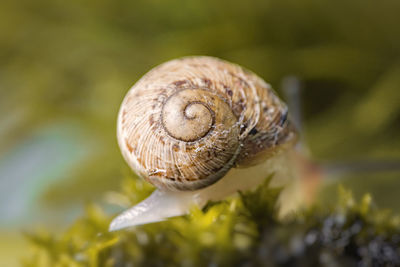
188 121
189 115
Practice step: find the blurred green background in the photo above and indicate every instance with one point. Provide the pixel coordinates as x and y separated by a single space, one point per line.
65 67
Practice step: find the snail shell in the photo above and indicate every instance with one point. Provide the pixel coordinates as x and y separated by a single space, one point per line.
185 123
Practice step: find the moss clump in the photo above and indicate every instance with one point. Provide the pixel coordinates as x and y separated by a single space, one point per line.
242 231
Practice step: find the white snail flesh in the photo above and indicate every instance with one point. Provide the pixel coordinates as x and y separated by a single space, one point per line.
189 122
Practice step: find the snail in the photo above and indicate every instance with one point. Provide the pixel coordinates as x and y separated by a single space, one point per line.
199 129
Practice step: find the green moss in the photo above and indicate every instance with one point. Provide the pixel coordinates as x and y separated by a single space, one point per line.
242 231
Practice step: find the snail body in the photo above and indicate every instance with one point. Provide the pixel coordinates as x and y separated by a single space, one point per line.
186 123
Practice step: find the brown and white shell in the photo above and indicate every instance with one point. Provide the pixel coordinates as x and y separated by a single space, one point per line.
185 123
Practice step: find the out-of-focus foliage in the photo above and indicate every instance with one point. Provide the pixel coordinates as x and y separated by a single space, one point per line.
64 61
66 65
242 231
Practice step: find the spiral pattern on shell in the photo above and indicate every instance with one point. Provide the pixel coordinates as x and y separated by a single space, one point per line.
185 123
